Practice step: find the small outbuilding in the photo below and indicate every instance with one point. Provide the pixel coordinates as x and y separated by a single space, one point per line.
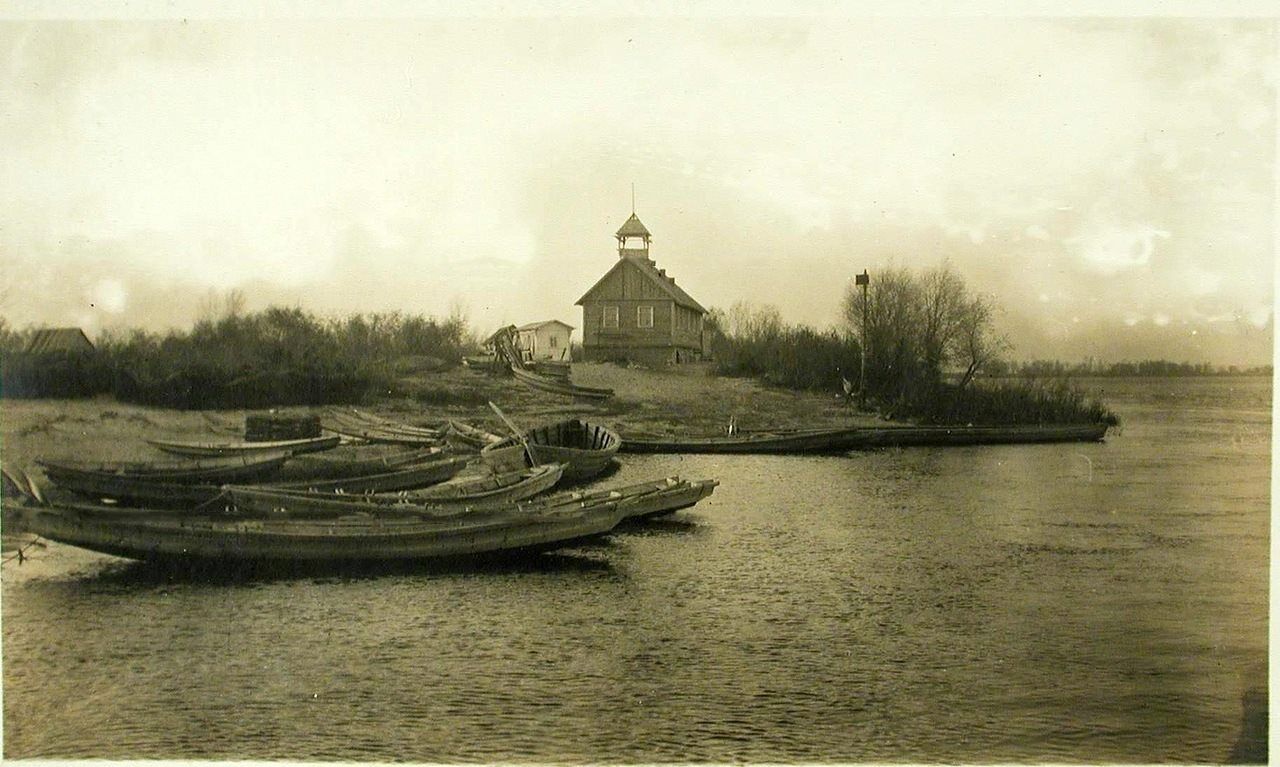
59 341
546 340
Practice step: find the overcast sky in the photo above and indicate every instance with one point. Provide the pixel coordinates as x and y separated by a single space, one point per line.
1111 182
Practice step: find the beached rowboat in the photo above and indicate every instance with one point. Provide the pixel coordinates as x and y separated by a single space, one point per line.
585 448
465 436
218 449
354 460
235 468
647 499
394 435
639 500
785 441
555 385
409 477
506 487
219 538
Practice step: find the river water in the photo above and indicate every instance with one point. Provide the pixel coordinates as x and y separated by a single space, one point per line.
1082 602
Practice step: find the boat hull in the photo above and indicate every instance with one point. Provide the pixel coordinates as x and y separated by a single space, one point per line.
556 385
841 440
407 478
497 488
208 538
216 449
353 461
195 471
585 449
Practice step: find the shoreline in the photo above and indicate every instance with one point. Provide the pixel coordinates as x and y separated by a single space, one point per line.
688 399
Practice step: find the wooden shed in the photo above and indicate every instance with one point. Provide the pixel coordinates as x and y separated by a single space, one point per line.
637 312
546 340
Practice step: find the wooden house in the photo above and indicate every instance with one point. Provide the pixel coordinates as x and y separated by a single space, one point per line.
637 312
546 340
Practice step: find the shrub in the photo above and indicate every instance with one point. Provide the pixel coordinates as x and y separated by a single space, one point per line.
280 356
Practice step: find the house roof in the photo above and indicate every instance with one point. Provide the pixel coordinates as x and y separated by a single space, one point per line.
58 340
633 228
493 336
536 325
656 276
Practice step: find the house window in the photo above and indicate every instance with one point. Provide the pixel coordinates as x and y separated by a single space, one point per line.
610 317
553 341
644 316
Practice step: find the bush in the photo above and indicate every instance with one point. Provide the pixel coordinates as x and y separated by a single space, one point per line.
275 357
1009 402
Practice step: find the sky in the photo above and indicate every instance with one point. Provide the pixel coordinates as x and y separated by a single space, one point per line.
1109 182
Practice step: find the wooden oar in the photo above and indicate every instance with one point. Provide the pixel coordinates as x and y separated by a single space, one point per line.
533 462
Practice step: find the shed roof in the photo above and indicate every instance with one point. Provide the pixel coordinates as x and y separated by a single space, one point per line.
536 325
59 340
656 276
633 228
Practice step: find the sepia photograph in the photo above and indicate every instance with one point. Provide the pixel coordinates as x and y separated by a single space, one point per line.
550 382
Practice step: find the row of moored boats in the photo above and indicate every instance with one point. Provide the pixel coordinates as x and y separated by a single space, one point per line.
370 490
375 489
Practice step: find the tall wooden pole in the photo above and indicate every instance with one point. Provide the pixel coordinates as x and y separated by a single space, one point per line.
864 280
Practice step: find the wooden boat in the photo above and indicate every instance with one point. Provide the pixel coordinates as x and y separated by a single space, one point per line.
234 468
584 447
171 495
361 416
507 487
551 369
647 499
394 435
220 538
456 494
559 386
217 449
409 477
638 500
355 460
464 436
785 441
141 492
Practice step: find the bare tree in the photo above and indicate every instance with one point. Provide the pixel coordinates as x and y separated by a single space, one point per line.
942 308
914 327
976 343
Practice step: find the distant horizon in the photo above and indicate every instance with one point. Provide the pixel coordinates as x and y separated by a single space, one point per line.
472 328
1109 182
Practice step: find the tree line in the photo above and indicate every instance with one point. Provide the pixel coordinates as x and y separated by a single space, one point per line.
929 343
1125 369
278 356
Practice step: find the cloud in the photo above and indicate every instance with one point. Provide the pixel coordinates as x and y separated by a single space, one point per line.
1109 250
1122 167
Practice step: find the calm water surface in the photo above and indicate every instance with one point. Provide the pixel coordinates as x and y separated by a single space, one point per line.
1090 602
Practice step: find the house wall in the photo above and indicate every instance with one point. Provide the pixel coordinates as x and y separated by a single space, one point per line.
547 342
676 334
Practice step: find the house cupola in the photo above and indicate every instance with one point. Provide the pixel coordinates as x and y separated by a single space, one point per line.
633 239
